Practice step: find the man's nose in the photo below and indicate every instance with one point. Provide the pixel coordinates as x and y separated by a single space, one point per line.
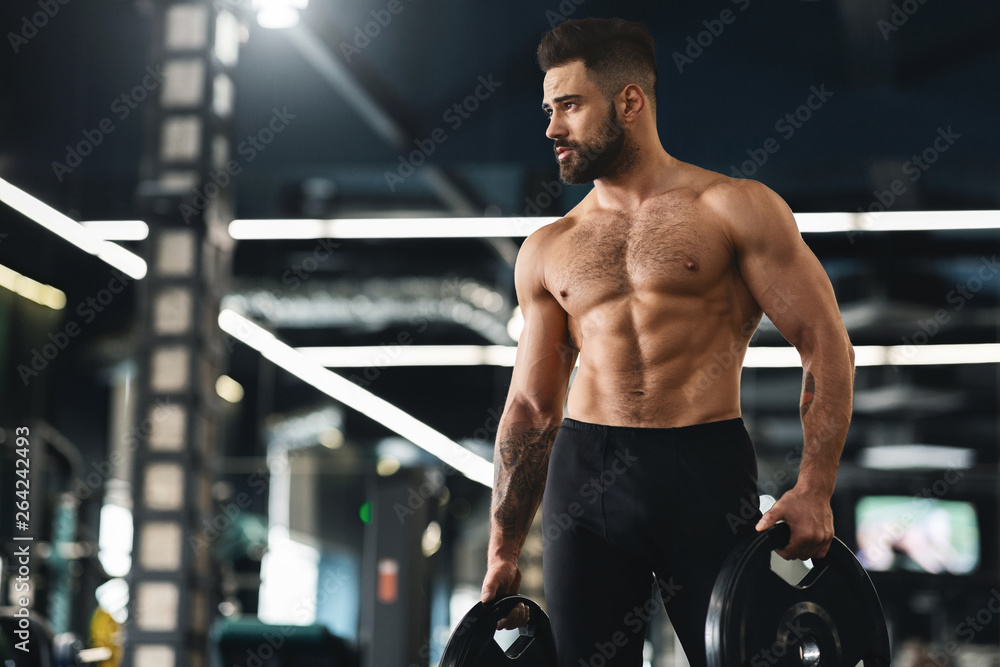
556 128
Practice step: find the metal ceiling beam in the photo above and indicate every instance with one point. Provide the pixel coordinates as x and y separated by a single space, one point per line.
386 125
335 72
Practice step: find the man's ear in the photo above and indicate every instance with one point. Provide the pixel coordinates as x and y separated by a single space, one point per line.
634 102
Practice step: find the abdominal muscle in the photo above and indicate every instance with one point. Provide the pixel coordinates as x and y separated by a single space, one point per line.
654 369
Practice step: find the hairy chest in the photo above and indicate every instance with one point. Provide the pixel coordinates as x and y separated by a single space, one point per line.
668 251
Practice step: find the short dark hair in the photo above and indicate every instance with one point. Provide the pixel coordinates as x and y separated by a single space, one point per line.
615 52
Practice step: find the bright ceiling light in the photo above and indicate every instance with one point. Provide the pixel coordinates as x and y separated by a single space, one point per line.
387 466
430 541
907 457
757 357
33 290
71 230
229 389
898 221
520 227
118 230
278 18
880 355
331 438
376 356
943 355
386 228
279 14
343 390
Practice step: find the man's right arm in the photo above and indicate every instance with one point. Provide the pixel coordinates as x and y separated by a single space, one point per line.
545 358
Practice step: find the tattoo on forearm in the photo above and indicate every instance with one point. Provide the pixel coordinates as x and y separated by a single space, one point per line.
808 393
521 466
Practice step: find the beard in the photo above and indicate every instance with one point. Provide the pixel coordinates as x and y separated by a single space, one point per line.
611 153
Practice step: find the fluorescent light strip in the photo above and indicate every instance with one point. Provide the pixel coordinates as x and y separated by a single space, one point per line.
72 231
40 293
934 355
898 221
343 390
118 230
383 356
386 228
492 227
878 355
411 355
901 457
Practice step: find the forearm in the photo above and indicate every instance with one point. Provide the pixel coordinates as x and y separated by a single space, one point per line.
825 408
520 466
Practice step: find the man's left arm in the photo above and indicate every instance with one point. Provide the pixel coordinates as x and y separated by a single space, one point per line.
791 286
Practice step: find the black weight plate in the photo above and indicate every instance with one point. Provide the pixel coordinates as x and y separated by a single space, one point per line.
472 644
831 618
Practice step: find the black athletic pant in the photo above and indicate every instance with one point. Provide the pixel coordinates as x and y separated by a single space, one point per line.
622 504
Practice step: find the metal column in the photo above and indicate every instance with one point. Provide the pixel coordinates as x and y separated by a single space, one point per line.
183 196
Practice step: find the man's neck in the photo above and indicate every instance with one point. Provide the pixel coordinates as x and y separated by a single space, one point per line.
648 178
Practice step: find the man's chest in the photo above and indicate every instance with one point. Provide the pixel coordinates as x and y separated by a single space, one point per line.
669 253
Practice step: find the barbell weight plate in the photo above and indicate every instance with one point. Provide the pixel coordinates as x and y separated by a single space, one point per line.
831 618
472 643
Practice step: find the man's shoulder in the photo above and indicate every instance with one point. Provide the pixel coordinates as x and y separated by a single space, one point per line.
546 235
725 193
534 248
748 208
737 202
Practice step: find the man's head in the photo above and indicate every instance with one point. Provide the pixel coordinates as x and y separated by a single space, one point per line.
600 76
615 52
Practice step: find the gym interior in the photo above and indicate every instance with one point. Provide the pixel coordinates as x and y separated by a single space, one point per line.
258 318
